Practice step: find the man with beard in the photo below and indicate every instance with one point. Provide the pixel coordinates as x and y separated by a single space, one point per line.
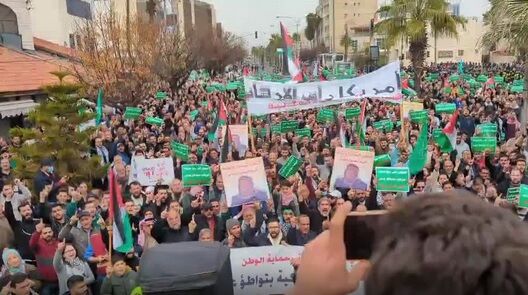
170 230
301 234
209 220
136 194
318 216
17 197
234 235
22 229
43 244
273 237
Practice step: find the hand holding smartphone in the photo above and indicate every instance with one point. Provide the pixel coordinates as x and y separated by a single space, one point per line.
361 232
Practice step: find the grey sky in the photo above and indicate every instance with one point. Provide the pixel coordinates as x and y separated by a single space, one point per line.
244 17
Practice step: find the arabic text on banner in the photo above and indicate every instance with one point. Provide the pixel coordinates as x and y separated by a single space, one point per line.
150 171
265 97
263 270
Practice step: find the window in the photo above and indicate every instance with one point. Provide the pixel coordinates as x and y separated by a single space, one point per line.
380 42
354 45
460 52
445 53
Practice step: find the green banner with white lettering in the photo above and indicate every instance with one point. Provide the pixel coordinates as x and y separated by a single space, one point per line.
483 144
288 126
448 108
180 150
290 167
392 179
196 174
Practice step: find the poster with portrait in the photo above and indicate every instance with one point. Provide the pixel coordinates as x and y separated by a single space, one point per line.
245 181
352 169
240 136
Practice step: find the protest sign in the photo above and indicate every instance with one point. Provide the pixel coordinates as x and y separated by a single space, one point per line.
418 116
361 147
409 106
263 270
512 195
386 125
352 113
290 167
154 121
132 113
523 197
266 97
481 144
325 116
161 95
487 130
181 151
152 171
276 129
304 132
392 179
288 126
196 174
245 181
382 160
448 108
352 169
240 136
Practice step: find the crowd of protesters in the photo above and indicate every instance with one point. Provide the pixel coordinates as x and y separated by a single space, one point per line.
56 242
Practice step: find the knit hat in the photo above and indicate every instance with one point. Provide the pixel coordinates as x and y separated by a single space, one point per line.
230 223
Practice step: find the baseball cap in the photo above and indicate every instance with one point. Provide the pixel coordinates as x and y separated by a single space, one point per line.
335 194
84 213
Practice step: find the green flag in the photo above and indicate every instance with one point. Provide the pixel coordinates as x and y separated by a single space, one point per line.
99 111
419 155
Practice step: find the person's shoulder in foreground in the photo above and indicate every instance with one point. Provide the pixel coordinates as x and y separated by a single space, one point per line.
450 243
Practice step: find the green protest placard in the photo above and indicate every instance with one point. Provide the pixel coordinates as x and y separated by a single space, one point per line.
382 161
392 179
487 129
523 197
180 150
196 174
448 108
193 114
481 144
386 125
275 129
418 116
132 113
288 126
161 95
352 113
325 116
304 132
154 121
290 167
513 194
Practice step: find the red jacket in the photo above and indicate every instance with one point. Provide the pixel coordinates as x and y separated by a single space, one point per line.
44 253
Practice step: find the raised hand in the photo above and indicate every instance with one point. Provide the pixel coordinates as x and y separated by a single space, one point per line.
40 226
192 225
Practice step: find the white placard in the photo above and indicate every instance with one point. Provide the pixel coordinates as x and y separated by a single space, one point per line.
150 171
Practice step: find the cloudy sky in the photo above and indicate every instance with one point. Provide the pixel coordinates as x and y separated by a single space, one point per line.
244 17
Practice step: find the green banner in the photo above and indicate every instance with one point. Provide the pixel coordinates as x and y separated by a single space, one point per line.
392 179
132 113
193 114
288 126
418 116
180 150
523 197
161 95
352 113
481 144
382 161
290 167
487 130
196 174
276 129
512 195
154 121
304 132
445 108
325 116
386 125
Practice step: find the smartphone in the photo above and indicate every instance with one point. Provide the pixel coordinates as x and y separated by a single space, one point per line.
361 232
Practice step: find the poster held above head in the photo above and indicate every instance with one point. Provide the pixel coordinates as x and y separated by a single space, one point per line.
240 137
290 167
352 169
196 174
409 106
265 97
151 171
392 179
245 181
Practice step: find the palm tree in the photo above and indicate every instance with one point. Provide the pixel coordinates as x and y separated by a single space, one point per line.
507 20
346 42
409 20
313 21
274 43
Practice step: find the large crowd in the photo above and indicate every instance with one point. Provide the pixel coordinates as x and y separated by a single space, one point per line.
57 241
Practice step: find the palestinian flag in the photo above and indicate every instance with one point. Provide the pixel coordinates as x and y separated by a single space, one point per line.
221 119
447 139
292 66
419 155
122 240
99 109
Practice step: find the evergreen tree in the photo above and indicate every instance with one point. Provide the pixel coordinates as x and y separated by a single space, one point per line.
54 133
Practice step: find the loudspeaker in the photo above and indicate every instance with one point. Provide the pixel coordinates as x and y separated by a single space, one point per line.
187 268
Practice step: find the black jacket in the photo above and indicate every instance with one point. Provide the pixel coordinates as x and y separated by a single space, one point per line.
22 230
296 238
219 230
316 219
257 241
164 234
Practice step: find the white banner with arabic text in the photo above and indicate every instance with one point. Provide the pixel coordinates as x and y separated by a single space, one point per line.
265 97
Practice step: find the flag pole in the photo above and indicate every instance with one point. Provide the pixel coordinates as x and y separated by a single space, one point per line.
110 239
252 136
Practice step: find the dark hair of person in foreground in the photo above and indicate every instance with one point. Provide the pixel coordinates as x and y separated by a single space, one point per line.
450 243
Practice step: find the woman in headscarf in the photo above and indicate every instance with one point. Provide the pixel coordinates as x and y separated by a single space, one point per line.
67 263
13 264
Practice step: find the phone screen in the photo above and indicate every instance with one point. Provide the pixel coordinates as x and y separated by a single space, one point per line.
361 230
